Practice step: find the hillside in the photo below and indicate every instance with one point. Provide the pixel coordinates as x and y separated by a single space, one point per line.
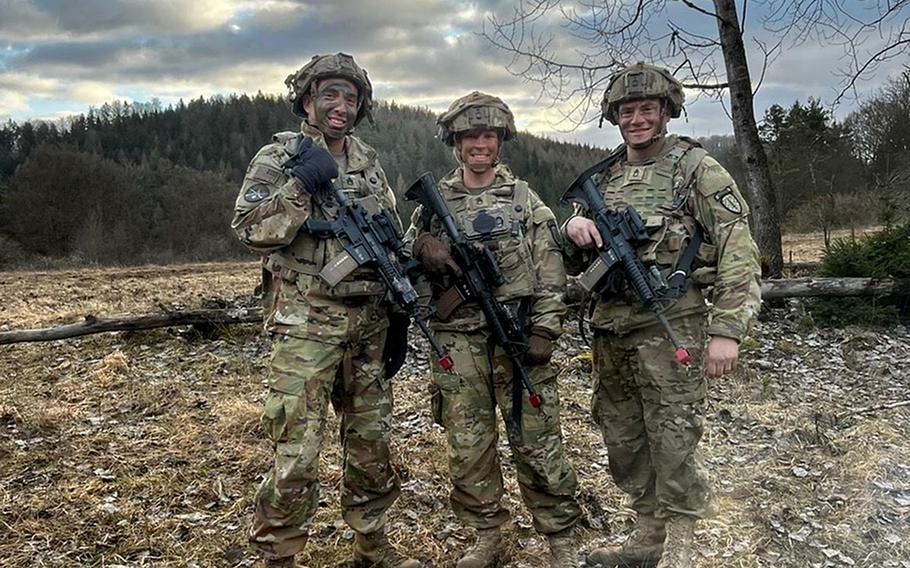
136 184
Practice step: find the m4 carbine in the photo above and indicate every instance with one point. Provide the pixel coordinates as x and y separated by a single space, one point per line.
371 237
622 232
480 275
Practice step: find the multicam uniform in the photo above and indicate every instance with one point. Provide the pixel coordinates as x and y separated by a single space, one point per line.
649 407
526 245
328 345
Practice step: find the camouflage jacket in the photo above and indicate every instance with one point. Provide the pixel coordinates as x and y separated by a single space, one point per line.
269 218
527 247
680 187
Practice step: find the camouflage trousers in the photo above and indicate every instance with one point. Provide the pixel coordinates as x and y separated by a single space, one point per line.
467 404
302 376
650 410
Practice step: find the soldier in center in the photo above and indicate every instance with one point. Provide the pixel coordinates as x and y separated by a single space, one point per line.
526 243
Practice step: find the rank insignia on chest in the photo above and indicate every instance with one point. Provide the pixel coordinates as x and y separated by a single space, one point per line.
729 201
638 174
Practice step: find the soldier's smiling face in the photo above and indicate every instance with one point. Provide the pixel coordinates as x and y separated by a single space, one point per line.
333 108
479 149
643 121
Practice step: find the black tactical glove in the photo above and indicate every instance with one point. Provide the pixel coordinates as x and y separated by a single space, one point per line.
540 346
313 165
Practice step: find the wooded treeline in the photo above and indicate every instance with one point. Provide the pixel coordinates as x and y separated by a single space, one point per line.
141 183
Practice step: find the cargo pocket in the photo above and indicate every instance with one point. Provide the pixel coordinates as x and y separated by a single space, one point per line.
444 397
543 420
683 385
280 411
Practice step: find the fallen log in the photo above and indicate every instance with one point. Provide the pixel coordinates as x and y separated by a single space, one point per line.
771 290
833 287
93 324
803 288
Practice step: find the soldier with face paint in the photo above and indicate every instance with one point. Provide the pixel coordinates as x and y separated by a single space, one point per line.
498 211
328 340
649 406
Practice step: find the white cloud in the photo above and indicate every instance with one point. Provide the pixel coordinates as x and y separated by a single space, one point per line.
92 93
53 20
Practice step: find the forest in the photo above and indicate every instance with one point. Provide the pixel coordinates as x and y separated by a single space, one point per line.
138 183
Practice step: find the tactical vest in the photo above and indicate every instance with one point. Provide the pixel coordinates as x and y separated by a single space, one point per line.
497 218
660 192
307 254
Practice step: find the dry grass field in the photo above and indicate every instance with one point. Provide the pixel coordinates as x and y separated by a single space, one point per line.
143 449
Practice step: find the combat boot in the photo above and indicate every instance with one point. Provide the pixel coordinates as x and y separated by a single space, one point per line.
678 547
642 548
486 551
564 549
374 551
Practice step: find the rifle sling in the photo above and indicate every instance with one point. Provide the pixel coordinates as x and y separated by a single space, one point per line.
676 283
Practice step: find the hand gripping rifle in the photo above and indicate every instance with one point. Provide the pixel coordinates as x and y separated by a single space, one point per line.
371 237
480 275
623 232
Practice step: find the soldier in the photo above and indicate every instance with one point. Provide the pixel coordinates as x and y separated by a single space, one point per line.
525 241
649 407
328 341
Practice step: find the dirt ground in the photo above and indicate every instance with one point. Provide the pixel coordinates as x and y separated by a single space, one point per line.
143 449
808 247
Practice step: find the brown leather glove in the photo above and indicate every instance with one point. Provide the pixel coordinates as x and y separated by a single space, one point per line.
540 346
434 255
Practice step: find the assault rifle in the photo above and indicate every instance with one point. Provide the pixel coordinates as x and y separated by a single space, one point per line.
371 237
480 275
623 232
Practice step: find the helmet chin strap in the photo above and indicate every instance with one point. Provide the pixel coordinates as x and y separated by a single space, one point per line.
644 145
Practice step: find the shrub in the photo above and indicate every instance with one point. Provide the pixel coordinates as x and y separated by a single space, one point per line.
12 254
882 255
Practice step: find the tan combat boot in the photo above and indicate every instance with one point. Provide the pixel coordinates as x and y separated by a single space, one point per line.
642 548
564 549
678 547
486 551
374 551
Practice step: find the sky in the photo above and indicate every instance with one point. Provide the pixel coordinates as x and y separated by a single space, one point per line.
61 57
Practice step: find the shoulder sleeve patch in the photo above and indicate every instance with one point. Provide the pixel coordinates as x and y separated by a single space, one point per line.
728 199
256 193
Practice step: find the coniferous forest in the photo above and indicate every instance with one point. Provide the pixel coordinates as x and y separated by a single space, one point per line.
143 183
134 184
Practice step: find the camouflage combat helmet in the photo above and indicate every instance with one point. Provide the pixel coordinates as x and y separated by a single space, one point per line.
473 111
342 65
642 81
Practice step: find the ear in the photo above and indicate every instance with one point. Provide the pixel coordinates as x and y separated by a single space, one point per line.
308 105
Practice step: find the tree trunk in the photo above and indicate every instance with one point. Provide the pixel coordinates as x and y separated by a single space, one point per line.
766 224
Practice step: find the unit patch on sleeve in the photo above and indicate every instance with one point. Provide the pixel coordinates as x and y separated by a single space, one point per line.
256 193
729 201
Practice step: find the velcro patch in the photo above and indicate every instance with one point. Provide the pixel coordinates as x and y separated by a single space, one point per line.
729 201
266 174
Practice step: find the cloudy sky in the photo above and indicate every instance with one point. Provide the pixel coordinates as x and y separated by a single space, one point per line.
59 57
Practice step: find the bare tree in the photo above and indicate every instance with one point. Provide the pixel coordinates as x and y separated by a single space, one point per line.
571 48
